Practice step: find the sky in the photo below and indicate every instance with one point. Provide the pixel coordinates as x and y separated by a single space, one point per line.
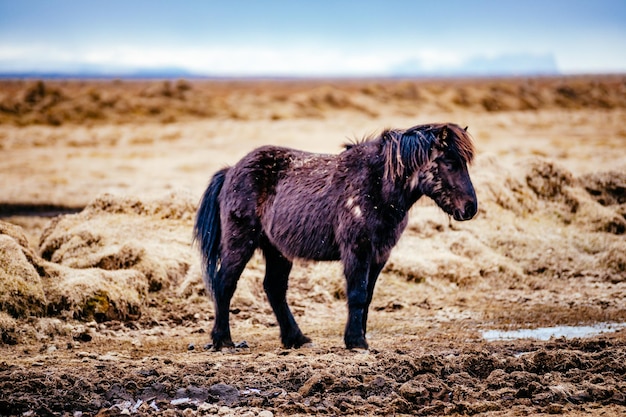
313 38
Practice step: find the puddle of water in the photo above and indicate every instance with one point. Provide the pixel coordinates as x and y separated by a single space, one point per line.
546 333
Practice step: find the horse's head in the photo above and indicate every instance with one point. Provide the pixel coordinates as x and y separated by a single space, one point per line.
445 177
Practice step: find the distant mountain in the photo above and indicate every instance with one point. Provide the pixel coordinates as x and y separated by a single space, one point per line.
93 71
501 65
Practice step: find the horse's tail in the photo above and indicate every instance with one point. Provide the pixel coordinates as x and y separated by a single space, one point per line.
208 231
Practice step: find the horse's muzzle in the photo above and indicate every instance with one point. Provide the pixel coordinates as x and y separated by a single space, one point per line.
469 211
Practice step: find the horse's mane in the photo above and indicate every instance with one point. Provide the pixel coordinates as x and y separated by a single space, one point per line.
405 150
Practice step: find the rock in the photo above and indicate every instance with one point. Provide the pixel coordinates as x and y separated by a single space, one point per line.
226 393
414 392
242 345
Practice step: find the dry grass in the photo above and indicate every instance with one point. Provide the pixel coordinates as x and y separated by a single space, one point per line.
97 102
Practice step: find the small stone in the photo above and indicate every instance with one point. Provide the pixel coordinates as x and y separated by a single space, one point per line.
189 412
555 408
191 346
180 401
207 408
81 334
266 413
222 411
316 384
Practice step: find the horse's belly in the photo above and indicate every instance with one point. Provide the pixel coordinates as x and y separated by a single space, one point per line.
300 232
308 249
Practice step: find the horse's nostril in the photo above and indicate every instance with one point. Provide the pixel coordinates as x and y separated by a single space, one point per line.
470 209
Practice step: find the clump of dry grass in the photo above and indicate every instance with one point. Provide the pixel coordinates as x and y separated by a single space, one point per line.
99 264
94 294
21 290
8 329
115 233
564 228
572 199
31 286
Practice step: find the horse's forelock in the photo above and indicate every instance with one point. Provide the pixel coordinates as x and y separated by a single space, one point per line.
458 140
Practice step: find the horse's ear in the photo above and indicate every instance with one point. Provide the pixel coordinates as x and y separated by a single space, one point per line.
442 137
466 128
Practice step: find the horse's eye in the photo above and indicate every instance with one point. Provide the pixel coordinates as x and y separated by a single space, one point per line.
453 164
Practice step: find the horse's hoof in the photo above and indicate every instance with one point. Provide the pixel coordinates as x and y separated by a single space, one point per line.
296 342
356 344
219 345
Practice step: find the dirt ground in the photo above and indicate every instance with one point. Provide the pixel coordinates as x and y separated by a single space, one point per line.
102 308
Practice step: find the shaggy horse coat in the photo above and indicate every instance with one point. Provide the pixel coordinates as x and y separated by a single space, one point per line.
351 207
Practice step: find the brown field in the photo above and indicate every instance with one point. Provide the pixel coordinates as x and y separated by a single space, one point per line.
102 309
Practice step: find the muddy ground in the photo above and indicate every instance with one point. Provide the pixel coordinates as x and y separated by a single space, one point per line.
102 309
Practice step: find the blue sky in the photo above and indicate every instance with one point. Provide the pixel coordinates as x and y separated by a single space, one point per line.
303 38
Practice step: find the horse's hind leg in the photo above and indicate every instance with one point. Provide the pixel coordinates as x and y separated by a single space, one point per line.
277 271
231 267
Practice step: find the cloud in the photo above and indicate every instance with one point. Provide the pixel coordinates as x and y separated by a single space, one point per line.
238 60
262 60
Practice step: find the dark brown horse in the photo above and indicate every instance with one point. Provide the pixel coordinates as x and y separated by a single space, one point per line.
350 207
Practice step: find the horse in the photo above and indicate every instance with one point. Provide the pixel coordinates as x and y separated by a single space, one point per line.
350 207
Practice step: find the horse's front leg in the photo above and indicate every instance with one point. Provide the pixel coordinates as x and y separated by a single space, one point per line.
374 272
356 269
